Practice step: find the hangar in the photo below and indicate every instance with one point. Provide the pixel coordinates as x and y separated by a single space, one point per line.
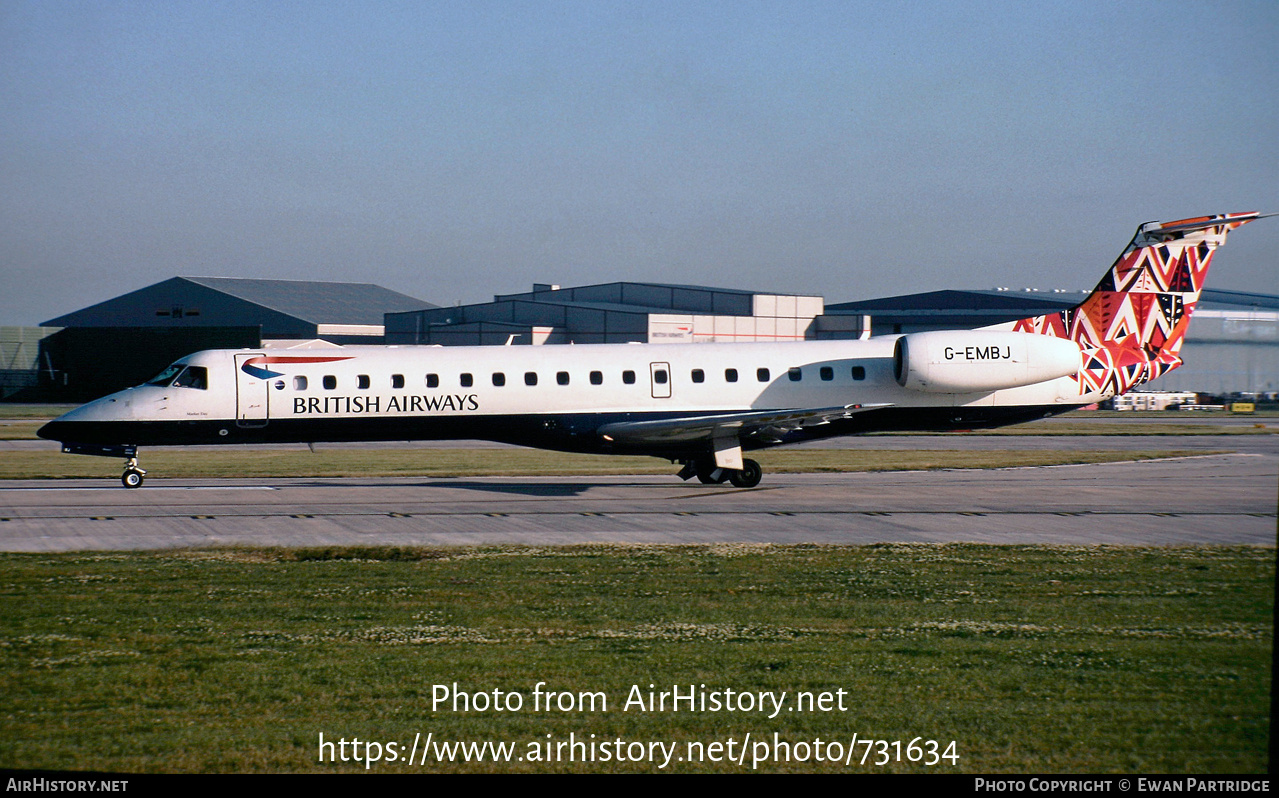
341 313
126 340
624 312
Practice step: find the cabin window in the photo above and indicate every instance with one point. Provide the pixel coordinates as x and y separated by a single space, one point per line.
827 373
362 381
499 379
299 383
561 378
397 380
730 375
194 377
433 381
530 378
628 377
597 378
467 380
859 372
330 382
761 375
659 376
698 375
795 374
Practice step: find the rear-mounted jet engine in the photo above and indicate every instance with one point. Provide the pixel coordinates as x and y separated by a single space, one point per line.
956 361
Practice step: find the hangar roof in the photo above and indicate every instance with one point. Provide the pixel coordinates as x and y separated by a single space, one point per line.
1013 301
307 301
1017 300
619 290
320 302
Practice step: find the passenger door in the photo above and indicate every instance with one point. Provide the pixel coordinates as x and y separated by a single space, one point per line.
251 392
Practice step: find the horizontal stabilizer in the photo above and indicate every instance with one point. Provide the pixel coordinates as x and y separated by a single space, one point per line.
1182 226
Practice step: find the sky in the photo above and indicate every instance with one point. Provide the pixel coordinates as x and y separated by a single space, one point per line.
456 150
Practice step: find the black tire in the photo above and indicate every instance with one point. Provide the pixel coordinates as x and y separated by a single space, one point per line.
749 476
132 478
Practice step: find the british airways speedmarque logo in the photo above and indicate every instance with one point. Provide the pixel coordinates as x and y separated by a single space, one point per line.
253 366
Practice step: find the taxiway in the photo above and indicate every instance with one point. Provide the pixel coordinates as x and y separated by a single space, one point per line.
1208 499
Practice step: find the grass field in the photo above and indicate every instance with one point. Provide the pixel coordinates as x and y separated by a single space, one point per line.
282 462
1031 659
18 410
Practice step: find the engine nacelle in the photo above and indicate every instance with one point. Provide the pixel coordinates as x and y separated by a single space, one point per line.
971 361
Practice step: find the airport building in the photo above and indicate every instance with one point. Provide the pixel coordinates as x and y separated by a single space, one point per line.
624 312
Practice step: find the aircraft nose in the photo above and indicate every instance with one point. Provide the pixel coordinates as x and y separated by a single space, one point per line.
52 431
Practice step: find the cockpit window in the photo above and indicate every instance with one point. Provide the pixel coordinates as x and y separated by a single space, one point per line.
193 377
165 377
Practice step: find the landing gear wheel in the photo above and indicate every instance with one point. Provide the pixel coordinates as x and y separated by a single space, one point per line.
748 477
132 478
709 474
133 474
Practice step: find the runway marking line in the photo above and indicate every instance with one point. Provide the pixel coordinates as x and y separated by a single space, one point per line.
148 489
652 513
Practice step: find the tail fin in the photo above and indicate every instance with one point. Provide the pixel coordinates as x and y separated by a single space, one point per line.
1132 325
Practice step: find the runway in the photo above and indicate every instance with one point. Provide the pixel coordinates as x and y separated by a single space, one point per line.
1210 499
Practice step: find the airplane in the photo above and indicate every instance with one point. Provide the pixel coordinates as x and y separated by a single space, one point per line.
701 405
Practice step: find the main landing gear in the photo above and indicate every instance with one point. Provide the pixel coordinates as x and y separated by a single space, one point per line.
133 474
707 473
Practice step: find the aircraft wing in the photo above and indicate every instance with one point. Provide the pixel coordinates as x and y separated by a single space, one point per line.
769 425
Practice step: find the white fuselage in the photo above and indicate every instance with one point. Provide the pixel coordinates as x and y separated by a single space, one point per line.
436 392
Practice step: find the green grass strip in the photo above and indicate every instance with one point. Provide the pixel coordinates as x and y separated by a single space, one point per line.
1032 659
194 462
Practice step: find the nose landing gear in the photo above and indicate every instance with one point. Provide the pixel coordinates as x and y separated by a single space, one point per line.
133 474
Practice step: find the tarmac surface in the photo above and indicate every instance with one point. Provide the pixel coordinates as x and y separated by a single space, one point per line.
1205 499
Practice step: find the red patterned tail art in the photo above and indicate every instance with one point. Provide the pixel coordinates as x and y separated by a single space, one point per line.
1131 326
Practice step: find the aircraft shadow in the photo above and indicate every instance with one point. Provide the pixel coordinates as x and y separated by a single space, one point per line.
542 489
